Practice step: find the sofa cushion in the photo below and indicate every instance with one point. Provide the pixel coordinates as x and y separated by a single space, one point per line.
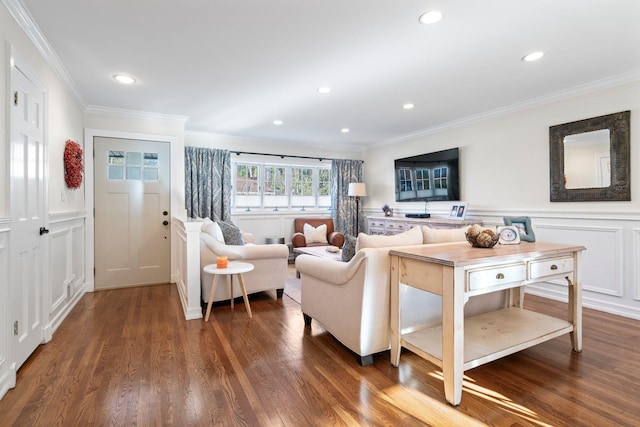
444 235
315 234
409 237
213 229
348 248
232 234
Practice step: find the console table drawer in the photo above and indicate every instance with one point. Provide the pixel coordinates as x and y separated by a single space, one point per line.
550 267
495 276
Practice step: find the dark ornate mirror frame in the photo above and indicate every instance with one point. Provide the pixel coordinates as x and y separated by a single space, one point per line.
620 188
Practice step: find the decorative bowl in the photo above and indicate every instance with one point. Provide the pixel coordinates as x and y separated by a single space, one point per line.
480 237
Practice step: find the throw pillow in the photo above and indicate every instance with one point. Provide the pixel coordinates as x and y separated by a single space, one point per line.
409 237
212 229
443 235
232 234
315 234
348 248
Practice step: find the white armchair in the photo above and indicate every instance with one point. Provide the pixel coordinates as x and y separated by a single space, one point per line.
269 261
349 299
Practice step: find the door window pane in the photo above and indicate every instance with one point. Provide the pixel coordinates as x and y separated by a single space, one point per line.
134 158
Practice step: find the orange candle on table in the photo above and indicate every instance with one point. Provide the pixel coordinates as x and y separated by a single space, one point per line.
222 262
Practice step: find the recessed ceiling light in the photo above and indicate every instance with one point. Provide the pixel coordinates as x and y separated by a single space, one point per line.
408 106
533 56
344 130
277 122
124 79
324 89
431 17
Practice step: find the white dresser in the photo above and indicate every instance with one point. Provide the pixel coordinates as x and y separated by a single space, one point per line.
388 225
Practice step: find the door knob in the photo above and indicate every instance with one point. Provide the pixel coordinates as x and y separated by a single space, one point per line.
165 213
43 231
165 222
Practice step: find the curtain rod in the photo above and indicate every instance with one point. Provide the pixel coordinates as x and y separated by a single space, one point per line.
282 156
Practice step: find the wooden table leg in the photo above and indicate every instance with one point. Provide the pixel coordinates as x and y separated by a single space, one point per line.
211 292
231 288
395 311
452 336
575 303
244 295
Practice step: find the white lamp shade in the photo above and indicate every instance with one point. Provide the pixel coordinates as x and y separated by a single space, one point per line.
357 189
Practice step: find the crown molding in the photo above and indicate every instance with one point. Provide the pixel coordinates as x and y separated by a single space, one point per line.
584 89
22 16
133 114
344 148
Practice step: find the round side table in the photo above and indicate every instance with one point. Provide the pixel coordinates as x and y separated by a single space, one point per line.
234 267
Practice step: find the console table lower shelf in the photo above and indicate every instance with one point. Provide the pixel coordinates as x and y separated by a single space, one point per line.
458 272
489 336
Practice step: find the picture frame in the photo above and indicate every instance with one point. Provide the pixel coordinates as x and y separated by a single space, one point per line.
523 224
458 210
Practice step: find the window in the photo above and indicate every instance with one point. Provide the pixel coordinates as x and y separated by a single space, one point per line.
271 186
275 187
247 186
324 187
302 187
132 166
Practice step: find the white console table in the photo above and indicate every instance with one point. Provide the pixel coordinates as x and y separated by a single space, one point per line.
388 225
457 272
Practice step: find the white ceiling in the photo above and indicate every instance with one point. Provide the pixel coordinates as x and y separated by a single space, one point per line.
232 67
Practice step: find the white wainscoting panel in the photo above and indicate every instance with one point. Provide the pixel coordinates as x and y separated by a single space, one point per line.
187 238
636 264
66 281
58 274
7 375
601 262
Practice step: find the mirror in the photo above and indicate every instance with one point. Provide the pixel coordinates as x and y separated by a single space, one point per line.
589 159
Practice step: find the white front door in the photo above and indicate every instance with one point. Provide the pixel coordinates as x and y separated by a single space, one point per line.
132 212
28 207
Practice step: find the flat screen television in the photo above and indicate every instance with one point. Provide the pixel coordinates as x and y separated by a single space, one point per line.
428 177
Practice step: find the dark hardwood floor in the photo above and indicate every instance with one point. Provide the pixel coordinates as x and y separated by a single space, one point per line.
128 357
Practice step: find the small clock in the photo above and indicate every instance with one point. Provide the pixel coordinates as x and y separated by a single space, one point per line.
509 234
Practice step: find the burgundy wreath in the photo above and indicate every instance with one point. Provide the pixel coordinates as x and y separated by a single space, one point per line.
73 166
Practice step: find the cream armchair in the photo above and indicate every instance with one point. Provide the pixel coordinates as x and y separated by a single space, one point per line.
269 262
348 299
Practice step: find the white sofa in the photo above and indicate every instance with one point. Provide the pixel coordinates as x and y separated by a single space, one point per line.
351 300
269 262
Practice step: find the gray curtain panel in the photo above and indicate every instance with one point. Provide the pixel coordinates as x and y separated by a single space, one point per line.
343 172
207 183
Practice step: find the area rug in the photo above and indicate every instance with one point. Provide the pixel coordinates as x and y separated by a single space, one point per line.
292 287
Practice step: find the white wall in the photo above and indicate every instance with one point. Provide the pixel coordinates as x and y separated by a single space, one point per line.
504 161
